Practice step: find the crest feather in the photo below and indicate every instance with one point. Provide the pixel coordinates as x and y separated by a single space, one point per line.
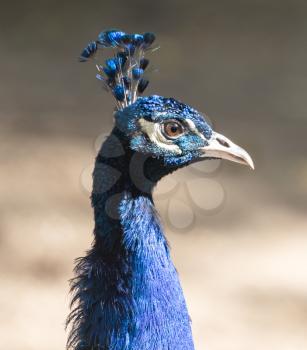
123 73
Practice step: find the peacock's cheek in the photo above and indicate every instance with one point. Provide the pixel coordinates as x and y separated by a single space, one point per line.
142 145
190 143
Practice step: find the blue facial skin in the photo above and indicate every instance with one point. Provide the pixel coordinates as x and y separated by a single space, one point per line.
159 109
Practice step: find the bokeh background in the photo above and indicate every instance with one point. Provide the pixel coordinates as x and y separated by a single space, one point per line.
243 62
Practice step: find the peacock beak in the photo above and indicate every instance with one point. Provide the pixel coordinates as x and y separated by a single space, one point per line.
220 146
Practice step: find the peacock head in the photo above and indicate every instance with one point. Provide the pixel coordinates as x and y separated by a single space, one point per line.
160 128
174 132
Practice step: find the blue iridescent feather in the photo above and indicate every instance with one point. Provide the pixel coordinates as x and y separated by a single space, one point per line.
128 62
126 291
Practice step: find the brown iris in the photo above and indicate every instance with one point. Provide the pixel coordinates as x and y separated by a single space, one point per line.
172 129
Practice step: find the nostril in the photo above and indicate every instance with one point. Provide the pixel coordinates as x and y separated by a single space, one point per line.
223 142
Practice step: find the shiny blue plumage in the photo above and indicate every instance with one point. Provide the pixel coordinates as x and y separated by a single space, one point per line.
127 64
88 51
126 292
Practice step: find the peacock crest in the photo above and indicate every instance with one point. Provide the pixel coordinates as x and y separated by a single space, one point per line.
122 74
126 290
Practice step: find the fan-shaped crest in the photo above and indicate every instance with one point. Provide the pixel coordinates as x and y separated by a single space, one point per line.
123 73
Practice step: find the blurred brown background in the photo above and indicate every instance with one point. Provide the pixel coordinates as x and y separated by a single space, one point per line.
243 62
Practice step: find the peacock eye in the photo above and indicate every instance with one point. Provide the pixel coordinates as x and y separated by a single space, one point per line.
173 129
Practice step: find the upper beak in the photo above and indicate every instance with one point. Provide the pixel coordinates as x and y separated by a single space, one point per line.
220 146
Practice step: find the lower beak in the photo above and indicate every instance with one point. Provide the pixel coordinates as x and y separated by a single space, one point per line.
220 146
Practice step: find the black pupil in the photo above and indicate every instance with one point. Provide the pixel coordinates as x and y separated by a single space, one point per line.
174 128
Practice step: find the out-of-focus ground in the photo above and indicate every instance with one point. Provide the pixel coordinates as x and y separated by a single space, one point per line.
243 268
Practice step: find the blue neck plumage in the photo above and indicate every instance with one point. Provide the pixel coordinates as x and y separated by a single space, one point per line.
121 189
126 291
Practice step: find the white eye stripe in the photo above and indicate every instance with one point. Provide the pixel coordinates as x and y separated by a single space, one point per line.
194 129
153 131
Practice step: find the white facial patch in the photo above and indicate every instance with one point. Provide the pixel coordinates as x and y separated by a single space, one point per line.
153 131
194 129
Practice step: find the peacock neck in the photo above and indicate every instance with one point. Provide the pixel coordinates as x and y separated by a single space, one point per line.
128 292
121 192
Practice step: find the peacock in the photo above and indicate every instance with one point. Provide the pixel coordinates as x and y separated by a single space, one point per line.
126 294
